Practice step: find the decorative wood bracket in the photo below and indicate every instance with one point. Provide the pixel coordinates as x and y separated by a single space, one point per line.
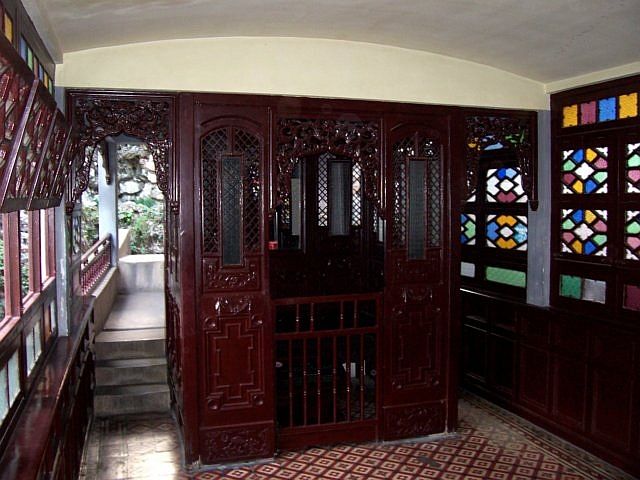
94 119
358 140
512 132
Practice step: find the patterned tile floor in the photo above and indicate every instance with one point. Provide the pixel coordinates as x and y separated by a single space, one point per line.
489 444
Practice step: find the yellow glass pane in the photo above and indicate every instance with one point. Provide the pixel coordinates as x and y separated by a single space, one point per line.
628 105
570 116
8 27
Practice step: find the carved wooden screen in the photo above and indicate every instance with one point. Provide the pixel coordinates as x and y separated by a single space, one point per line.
236 418
417 292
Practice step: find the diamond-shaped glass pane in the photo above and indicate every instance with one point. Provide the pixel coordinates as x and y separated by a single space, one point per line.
504 185
584 232
584 170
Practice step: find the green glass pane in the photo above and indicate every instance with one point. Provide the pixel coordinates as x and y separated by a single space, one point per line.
506 276
571 286
633 161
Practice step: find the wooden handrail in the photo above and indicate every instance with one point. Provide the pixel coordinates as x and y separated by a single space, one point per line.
95 263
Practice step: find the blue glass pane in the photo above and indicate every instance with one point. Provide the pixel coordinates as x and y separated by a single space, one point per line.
607 109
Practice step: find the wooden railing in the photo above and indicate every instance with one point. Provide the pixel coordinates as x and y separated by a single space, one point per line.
95 264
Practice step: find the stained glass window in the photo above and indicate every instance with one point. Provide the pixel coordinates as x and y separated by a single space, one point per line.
468 229
588 113
632 235
628 105
570 116
504 185
579 288
467 269
631 297
633 168
506 276
508 232
8 27
584 170
584 231
607 109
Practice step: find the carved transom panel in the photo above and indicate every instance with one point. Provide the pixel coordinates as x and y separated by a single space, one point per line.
94 119
358 140
484 131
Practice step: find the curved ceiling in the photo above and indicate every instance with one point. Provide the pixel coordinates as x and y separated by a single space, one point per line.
545 40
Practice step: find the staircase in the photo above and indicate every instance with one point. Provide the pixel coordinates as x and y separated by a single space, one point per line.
131 367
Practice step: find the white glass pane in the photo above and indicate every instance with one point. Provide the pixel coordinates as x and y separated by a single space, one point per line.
4 393
29 352
14 378
43 245
37 347
54 317
594 290
467 269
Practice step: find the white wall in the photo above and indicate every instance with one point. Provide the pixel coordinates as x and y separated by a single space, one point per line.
299 66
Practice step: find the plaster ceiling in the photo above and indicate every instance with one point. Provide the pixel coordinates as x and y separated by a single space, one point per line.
545 40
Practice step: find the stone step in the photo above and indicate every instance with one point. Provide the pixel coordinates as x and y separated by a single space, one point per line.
131 371
128 344
127 399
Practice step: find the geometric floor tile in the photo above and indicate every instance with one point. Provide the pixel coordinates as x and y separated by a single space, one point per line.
490 443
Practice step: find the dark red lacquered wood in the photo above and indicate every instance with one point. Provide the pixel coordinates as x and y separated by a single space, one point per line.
95 263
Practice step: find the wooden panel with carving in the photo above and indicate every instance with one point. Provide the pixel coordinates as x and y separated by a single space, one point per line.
416 398
236 443
235 358
233 373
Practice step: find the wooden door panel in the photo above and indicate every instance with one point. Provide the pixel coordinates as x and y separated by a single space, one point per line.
235 394
417 291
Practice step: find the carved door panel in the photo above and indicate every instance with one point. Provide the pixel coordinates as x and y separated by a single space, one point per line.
417 291
235 394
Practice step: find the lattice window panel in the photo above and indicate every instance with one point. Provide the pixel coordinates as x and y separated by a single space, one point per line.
14 92
434 194
632 235
584 170
504 185
31 148
632 170
584 232
356 195
249 144
231 193
211 148
323 189
508 232
46 177
401 150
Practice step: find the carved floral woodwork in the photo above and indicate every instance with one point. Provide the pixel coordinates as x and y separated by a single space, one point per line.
414 421
95 119
29 123
516 133
234 443
358 140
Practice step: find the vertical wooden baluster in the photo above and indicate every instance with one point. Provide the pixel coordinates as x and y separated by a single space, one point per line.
290 383
297 317
348 365
356 314
362 376
319 378
335 385
304 380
